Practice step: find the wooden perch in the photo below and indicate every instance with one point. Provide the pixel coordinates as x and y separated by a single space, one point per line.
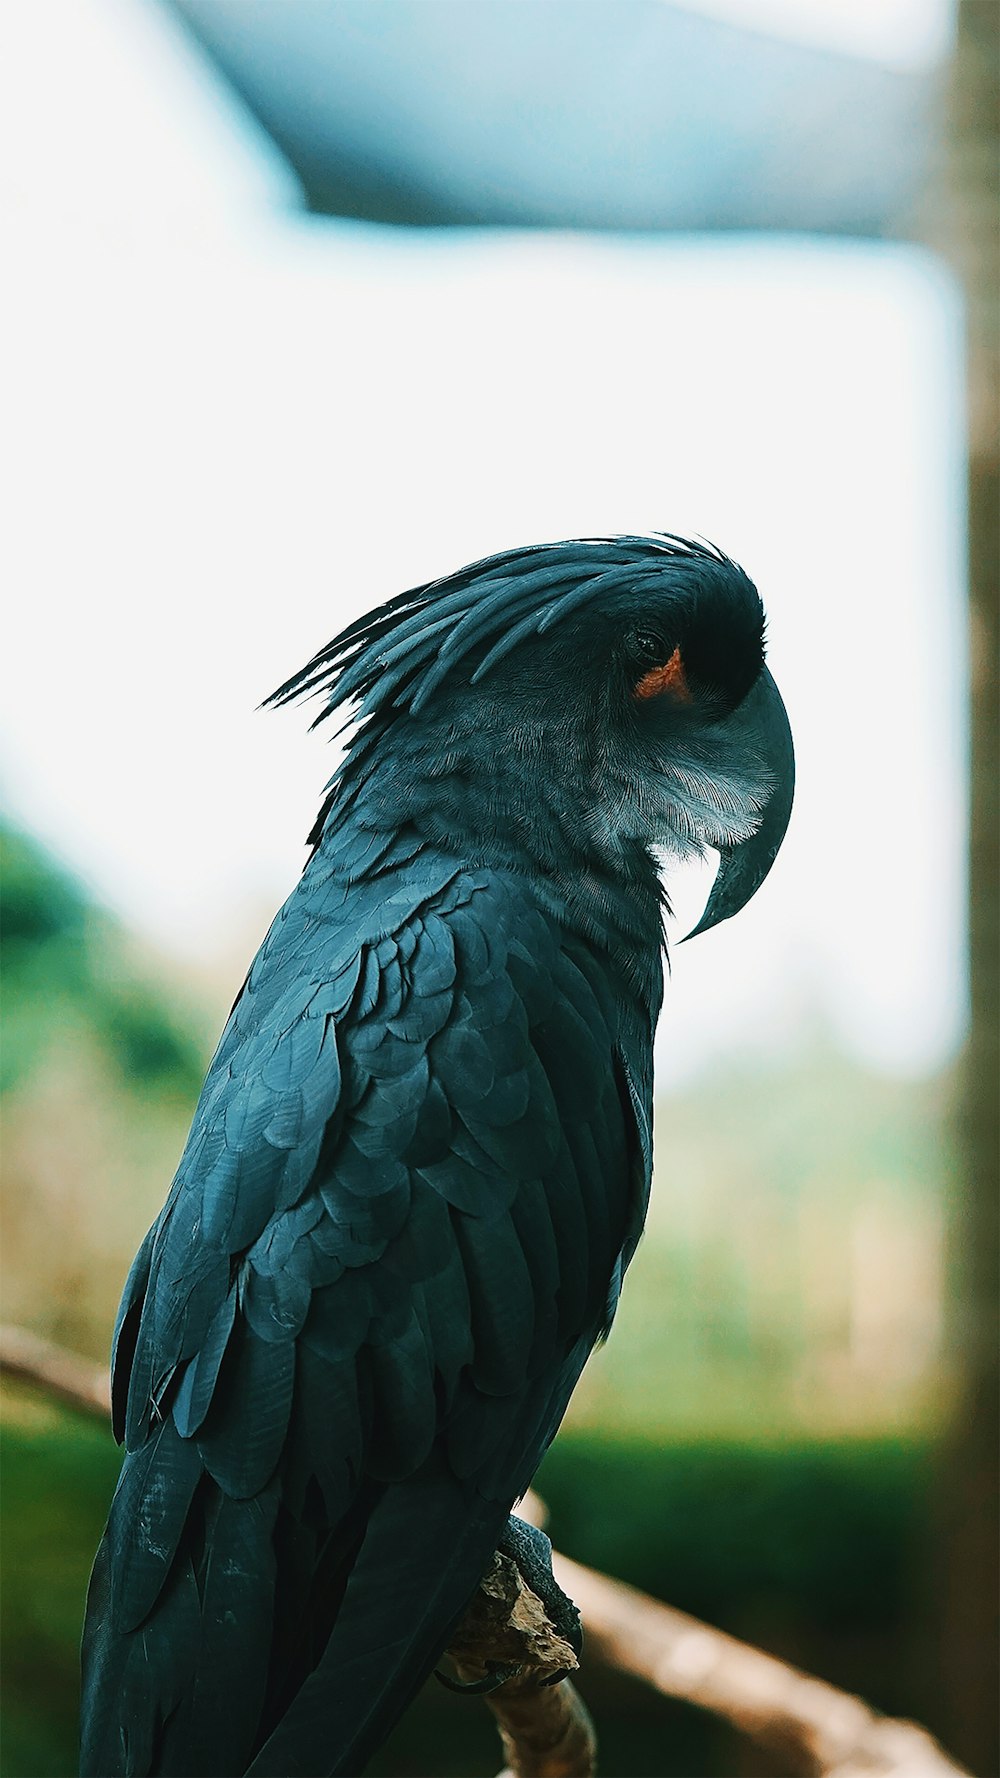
545 1729
69 1378
818 1731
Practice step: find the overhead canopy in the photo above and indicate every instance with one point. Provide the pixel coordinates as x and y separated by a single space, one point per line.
572 113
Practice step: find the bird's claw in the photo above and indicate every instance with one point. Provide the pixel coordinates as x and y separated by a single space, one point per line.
555 1678
498 1675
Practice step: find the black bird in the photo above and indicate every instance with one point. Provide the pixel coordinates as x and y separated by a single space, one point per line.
420 1162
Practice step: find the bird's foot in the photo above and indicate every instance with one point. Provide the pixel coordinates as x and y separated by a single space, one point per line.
531 1551
520 1628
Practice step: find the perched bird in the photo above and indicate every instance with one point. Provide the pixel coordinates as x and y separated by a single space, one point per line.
420 1163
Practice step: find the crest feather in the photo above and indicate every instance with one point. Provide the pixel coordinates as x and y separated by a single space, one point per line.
396 656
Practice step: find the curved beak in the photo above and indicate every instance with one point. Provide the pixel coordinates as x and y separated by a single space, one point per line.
760 726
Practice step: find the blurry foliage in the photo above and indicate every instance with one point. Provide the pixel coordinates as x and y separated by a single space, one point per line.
57 1471
66 963
101 1065
791 1274
815 1533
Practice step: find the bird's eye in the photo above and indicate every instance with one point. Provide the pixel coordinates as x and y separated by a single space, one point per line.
649 645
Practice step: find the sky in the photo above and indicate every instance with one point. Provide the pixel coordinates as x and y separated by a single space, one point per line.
230 428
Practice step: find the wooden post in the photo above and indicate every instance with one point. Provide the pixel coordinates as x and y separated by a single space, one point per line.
970 1481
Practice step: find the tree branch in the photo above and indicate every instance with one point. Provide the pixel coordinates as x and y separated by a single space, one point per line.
65 1375
546 1730
820 1731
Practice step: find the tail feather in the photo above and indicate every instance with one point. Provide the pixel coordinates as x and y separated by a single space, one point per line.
123 1722
426 1547
214 1642
206 1639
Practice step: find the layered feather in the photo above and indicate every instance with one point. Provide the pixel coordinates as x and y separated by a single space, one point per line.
384 1259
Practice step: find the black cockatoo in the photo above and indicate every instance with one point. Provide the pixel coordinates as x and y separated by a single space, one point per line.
420 1163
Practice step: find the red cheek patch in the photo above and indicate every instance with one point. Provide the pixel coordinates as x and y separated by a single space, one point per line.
669 678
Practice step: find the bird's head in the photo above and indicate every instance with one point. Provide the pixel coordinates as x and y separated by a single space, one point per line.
617 682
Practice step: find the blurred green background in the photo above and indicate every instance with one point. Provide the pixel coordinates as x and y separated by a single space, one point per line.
755 1444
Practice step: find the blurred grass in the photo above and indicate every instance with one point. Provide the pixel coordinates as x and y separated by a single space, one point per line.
804 1546
57 1474
820 1530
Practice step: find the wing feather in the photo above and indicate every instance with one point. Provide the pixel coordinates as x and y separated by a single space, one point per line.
388 1247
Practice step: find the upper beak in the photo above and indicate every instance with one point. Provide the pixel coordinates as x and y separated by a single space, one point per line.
759 724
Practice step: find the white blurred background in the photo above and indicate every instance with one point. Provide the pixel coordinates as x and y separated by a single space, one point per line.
231 427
